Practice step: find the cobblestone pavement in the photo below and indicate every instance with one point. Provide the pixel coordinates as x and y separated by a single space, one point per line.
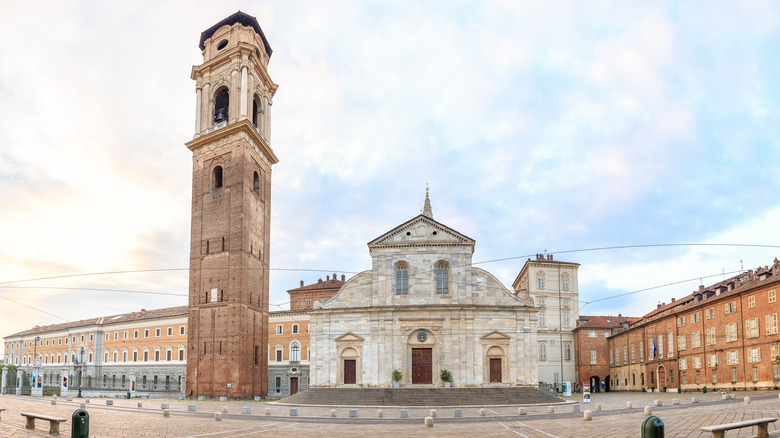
126 419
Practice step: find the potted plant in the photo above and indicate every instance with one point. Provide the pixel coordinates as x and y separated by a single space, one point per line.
396 378
446 377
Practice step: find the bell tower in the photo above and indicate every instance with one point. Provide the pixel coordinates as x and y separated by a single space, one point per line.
231 205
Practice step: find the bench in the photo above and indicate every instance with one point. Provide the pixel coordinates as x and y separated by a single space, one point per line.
1 411
719 431
54 423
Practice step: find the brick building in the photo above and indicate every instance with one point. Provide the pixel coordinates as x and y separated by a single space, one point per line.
592 348
231 211
723 336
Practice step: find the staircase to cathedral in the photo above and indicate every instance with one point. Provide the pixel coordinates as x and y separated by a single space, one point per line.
421 397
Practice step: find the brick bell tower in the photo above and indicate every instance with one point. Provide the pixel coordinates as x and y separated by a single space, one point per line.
231 205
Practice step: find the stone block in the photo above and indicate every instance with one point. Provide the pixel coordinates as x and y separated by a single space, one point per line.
575 408
694 399
747 400
164 406
648 410
223 399
587 416
432 413
353 413
140 405
224 409
457 413
201 397
217 416
293 412
428 422
550 410
166 412
53 402
522 411
379 413
82 405
267 411
109 402
725 397
597 407
246 410
333 413
86 401
658 402
69 398
404 413
675 401
482 412
629 405
192 408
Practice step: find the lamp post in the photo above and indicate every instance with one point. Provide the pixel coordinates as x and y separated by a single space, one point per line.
36 389
81 367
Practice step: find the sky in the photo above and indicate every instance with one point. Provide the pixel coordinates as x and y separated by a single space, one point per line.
540 126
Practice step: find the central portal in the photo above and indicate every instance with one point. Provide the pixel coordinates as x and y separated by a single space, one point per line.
422 366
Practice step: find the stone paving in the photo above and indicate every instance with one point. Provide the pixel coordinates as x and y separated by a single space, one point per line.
126 419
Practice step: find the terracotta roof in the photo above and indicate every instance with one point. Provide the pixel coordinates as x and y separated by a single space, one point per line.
143 314
321 285
604 321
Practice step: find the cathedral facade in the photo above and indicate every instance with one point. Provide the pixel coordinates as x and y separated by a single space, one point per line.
422 309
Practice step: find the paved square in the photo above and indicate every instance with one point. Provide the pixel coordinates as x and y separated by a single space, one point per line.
125 419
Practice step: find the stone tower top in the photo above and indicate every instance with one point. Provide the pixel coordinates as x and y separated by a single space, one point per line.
427 211
215 39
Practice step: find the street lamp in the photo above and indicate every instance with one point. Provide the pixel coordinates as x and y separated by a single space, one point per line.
81 368
35 364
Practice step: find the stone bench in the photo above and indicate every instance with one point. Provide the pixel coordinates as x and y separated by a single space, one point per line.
54 423
1 411
719 431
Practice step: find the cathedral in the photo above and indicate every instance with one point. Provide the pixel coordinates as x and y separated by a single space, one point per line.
423 310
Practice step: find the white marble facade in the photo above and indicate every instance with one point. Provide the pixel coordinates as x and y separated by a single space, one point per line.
450 315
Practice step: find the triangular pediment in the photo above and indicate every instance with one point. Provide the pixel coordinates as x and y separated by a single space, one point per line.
349 336
495 335
421 230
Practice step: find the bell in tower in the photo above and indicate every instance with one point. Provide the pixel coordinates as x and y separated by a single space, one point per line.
231 206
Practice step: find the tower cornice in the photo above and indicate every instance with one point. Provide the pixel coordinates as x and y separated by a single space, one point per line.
240 126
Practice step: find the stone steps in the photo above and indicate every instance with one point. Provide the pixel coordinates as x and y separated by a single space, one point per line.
421 397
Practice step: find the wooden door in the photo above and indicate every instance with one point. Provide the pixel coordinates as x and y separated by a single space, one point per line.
350 367
422 366
293 385
495 370
661 377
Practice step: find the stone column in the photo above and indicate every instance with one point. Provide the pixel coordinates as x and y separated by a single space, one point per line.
267 123
37 389
243 91
4 381
207 118
18 382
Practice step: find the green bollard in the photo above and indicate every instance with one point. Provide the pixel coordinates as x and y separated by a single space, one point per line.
704 390
79 424
652 427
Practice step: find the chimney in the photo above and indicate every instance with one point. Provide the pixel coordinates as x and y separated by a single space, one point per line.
334 276
319 280
343 277
301 283
327 278
672 299
659 306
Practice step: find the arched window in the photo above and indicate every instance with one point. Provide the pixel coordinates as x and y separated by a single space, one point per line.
221 105
442 278
295 351
217 177
401 278
256 182
257 109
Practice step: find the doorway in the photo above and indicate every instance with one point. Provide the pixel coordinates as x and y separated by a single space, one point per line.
495 370
422 366
293 385
350 367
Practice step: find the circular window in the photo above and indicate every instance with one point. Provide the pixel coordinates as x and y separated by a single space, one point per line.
408 233
222 44
434 233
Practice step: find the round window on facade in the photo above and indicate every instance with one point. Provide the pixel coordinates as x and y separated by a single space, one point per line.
222 44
